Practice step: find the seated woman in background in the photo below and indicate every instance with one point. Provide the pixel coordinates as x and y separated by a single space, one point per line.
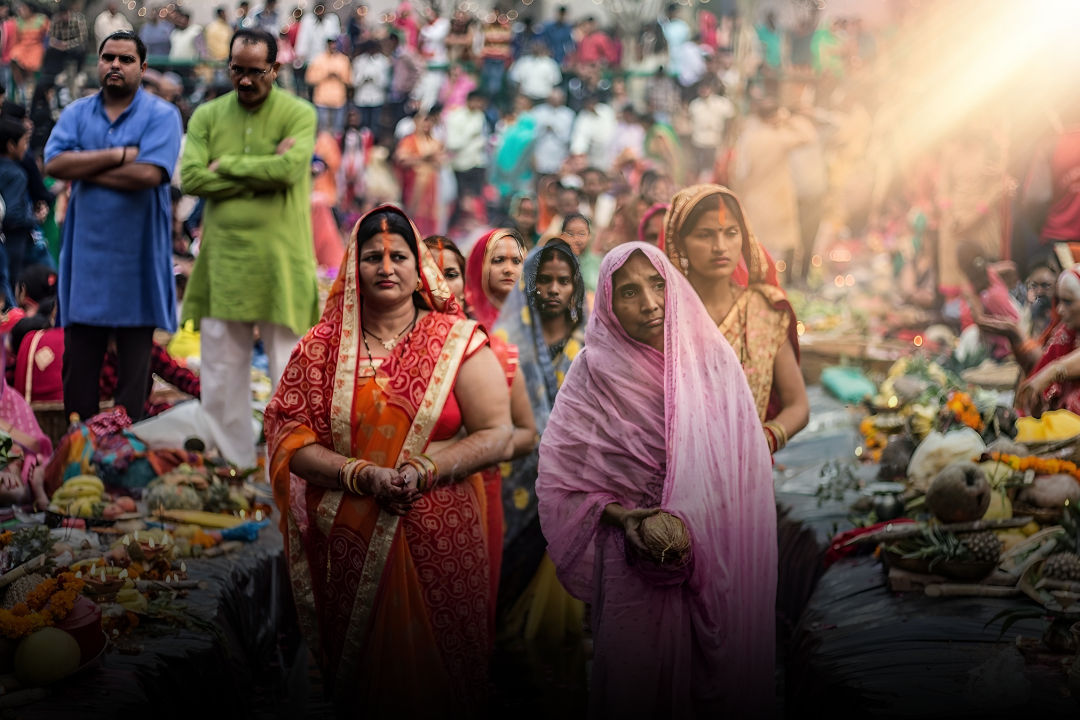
708 237
650 418
1054 380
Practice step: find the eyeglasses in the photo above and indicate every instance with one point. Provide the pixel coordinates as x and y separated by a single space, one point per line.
1040 285
252 73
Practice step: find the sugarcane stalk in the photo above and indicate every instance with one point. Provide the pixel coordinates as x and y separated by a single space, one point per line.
908 530
25 569
961 590
1049 584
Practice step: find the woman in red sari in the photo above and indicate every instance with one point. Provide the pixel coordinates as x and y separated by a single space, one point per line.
387 552
419 157
708 237
1054 383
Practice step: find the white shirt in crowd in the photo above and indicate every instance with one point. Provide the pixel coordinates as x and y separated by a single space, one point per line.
371 77
536 76
689 61
465 139
629 137
106 24
433 41
593 136
554 126
707 118
182 45
313 34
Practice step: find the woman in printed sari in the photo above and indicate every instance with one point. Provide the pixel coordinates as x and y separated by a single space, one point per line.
452 265
419 157
387 552
650 417
544 317
708 237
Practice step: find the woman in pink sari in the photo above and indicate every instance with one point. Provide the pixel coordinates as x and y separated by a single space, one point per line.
650 417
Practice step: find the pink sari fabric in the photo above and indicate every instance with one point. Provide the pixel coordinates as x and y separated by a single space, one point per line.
644 429
16 411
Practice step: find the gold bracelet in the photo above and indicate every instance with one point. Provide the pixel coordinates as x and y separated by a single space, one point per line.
427 472
350 475
778 432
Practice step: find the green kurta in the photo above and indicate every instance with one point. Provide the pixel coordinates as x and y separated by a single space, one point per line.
257 260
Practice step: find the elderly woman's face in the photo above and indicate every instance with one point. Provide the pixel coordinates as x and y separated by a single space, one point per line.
1069 303
637 299
387 270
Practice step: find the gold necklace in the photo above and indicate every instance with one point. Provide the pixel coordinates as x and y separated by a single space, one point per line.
392 342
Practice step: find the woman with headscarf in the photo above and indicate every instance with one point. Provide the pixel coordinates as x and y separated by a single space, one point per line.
1054 383
650 418
651 228
544 317
381 506
708 238
452 265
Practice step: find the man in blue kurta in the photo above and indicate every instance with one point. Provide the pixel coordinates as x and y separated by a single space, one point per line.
118 148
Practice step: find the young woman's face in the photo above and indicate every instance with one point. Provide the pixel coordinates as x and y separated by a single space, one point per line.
713 247
454 274
387 270
577 234
637 299
526 215
506 266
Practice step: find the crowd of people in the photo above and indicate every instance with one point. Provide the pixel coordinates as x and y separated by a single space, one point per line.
519 289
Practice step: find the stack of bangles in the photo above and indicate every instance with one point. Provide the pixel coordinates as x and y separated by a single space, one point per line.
426 470
349 475
775 435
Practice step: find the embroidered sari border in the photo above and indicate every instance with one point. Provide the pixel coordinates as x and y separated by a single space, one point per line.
382 540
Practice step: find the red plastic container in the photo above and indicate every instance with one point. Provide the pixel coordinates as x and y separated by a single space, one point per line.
84 624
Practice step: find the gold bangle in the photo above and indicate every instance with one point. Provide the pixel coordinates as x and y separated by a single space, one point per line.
778 432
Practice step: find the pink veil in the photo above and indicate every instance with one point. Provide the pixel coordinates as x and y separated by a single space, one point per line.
680 431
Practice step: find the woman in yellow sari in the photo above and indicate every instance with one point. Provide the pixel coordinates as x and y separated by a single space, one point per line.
709 239
383 512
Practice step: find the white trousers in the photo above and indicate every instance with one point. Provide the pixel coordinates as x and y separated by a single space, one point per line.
226 349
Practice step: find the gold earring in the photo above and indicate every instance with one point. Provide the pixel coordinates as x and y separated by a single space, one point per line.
419 285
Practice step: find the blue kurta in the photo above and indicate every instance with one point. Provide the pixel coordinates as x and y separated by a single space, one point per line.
116 251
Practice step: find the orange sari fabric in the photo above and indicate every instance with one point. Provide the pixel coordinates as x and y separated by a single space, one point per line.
394 610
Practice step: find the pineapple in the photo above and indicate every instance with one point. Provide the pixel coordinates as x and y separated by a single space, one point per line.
1063 566
985 546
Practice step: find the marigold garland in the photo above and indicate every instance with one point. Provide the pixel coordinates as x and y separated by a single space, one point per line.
1041 466
58 593
963 407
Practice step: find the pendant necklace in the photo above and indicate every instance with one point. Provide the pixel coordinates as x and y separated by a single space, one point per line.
392 342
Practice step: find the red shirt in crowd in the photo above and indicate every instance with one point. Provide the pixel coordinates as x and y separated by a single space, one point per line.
1063 220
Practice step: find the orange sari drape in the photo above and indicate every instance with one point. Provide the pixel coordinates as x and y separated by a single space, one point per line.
395 610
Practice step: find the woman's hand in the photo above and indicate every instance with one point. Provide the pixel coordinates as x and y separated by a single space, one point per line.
388 488
10 481
1031 395
631 524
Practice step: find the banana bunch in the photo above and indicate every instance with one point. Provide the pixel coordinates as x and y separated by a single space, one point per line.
131 599
922 421
81 496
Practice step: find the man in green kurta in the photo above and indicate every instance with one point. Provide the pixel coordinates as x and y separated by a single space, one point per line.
249 154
